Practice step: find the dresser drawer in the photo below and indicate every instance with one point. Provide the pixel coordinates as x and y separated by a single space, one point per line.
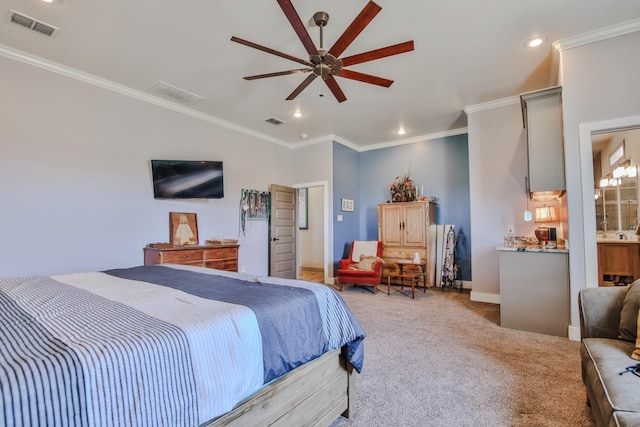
181 257
220 253
229 265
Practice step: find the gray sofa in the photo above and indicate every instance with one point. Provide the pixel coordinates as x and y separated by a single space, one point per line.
609 317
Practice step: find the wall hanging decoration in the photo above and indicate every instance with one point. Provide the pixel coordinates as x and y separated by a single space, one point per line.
183 228
254 206
403 189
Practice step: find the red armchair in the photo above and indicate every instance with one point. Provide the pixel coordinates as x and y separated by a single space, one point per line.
361 277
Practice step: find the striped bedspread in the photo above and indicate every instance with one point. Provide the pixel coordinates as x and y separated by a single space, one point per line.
156 345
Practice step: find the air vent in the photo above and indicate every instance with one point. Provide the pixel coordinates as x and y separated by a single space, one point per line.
32 23
275 121
173 93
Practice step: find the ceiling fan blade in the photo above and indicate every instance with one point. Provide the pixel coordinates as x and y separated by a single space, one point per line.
366 78
335 89
298 26
279 73
271 51
302 86
365 16
378 53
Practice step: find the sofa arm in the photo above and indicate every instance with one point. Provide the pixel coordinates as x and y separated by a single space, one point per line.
600 311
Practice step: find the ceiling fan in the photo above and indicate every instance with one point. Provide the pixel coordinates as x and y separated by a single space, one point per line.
327 63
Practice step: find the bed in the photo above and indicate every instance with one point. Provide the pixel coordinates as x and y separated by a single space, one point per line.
175 345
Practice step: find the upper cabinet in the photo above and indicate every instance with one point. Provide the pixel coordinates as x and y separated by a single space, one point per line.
542 117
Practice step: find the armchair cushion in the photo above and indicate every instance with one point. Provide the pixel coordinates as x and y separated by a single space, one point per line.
366 263
361 248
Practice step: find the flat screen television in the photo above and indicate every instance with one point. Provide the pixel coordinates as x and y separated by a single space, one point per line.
187 179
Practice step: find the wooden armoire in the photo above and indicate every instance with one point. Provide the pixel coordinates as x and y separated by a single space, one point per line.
403 228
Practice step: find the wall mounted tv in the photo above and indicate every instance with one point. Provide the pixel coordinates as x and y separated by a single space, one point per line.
187 179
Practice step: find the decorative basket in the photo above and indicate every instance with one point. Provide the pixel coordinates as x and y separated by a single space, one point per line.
221 242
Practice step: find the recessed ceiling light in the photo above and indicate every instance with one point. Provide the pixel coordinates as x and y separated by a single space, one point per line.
401 131
297 114
535 41
52 1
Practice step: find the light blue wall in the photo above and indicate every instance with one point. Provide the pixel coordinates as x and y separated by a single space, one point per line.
440 165
346 184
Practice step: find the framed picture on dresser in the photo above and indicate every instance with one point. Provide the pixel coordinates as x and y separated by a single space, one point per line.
183 228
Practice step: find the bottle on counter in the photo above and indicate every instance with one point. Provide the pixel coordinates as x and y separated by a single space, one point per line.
552 243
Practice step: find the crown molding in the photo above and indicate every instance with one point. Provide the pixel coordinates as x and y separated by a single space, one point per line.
600 34
492 104
91 79
395 143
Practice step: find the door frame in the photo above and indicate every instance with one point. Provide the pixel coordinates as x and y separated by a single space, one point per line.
328 228
588 207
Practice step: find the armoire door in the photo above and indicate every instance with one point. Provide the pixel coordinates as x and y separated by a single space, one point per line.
414 224
390 227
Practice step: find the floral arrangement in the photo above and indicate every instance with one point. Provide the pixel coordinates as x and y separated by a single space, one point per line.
402 189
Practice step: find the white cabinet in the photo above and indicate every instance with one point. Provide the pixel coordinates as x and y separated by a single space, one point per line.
542 117
534 292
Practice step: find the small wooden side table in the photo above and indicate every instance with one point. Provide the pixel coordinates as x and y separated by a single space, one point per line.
412 276
422 265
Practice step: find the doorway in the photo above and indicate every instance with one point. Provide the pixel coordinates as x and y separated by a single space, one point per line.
314 243
587 132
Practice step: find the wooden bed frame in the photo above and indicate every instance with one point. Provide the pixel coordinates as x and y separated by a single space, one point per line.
313 394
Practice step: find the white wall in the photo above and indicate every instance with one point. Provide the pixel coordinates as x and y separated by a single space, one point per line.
600 84
75 186
497 170
312 166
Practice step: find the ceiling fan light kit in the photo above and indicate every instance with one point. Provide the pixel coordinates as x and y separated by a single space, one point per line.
327 64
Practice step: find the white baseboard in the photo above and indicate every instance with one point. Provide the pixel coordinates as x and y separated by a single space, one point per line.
485 297
574 333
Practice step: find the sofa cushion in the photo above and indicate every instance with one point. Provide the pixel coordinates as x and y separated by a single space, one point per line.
636 352
626 419
629 313
602 361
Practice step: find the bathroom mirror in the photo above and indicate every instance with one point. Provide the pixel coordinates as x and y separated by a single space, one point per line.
616 196
617 207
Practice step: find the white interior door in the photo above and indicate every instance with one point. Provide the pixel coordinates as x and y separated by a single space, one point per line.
282 232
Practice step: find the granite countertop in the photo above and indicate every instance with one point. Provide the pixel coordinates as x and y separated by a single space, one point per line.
528 244
532 249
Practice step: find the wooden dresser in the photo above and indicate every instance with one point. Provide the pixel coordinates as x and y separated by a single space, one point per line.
220 257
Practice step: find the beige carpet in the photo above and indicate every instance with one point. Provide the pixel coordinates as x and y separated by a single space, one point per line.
442 360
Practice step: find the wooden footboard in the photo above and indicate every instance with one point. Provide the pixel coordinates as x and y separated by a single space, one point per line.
314 394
